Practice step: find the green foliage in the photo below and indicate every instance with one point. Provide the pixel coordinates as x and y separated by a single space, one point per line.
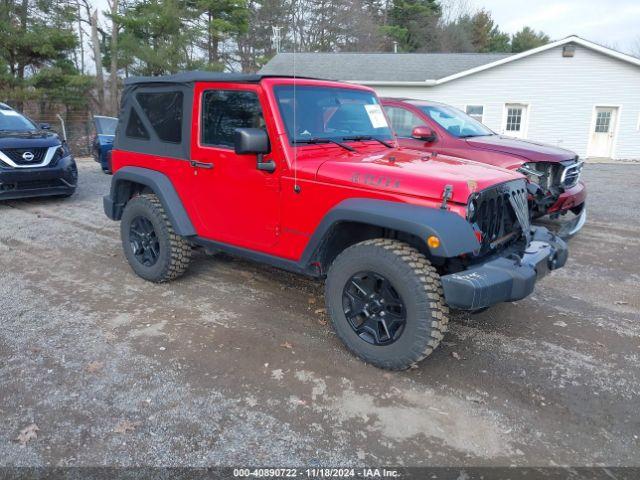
61 83
154 37
412 24
474 33
486 36
36 44
527 39
166 36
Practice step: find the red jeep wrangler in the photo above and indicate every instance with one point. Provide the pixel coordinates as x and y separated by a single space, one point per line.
306 175
553 173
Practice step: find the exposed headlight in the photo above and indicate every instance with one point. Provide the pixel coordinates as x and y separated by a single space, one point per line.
532 173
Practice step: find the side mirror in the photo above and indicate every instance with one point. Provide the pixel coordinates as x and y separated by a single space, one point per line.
45 126
256 141
251 140
424 133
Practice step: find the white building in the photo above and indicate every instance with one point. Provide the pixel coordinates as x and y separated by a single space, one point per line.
572 93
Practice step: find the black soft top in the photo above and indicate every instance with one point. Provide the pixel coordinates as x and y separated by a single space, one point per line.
179 90
200 76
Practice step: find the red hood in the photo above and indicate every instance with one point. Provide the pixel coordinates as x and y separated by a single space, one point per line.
531 151
414 173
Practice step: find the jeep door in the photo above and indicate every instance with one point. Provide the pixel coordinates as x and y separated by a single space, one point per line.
236 203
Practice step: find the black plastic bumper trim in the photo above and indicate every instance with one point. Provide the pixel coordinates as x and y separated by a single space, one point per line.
505 279
62 180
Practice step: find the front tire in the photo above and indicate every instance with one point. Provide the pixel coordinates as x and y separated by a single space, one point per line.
386 303
152 247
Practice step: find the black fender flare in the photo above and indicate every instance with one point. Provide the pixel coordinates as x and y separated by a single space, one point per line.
455 233
160 184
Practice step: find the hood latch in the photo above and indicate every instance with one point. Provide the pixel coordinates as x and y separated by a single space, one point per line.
446 196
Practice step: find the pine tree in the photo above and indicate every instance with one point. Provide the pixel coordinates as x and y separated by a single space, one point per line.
37 42
412 23
526 39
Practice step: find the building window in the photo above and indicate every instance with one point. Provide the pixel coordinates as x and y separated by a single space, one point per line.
164 111
603 121
135 128
514 119
225 110
476 112
403 121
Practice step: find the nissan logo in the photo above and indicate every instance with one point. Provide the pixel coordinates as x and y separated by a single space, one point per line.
28 156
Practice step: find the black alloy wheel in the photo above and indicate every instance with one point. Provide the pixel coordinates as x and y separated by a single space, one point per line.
386 303
373 308
144 241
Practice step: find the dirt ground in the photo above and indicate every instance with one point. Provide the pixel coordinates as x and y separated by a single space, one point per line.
235 364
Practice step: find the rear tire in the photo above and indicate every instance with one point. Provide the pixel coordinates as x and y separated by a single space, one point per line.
396 267
151 245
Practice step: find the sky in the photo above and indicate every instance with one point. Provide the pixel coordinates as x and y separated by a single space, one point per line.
613 23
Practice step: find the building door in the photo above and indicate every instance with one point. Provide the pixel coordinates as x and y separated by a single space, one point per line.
603 127
515 120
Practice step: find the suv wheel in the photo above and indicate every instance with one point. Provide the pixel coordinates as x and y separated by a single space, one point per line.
152 247
386 303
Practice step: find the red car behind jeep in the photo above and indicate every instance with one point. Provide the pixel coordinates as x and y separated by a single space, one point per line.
553 173
306 175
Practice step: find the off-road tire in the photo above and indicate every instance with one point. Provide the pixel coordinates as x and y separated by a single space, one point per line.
417 282
175 252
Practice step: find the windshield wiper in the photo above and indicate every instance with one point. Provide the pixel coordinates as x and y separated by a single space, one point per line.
359 138
477 135
315 141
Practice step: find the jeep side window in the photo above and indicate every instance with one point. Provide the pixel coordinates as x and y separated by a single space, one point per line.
135 128
225 110
164 111
403 121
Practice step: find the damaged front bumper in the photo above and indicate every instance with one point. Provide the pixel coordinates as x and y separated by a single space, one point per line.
505 279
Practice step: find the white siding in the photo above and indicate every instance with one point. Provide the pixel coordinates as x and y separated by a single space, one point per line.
561 94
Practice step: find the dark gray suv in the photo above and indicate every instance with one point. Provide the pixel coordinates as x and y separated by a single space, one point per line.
34 162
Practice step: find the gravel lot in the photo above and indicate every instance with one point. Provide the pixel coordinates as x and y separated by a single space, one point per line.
235 363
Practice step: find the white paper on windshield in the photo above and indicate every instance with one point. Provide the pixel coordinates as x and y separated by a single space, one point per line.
9 113
376 116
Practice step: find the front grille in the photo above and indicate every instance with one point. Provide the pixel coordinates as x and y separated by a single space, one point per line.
30 185
17 155
555 176
501 213
37 184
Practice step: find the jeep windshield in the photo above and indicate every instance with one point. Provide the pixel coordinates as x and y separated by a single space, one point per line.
12 121
457 123
314 115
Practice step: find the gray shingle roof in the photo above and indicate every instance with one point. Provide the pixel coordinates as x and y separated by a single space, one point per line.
387 67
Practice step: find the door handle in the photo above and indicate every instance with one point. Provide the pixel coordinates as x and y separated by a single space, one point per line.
196 164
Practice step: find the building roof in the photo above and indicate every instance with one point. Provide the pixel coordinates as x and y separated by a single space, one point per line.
387 67
414 69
